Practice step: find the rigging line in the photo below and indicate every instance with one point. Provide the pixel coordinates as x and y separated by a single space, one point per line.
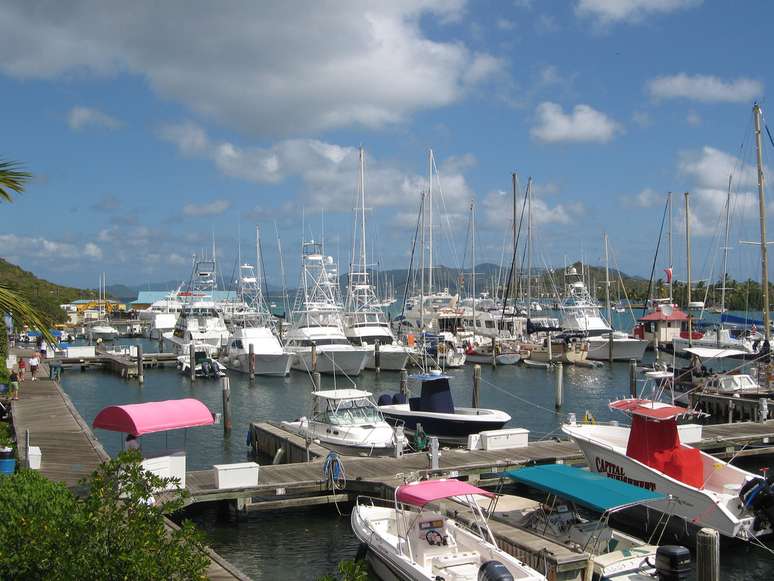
655 258
411 262
513 395
515 246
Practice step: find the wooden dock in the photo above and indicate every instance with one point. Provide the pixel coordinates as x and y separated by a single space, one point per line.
44 416
123 365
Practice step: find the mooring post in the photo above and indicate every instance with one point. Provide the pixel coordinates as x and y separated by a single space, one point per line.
140 376
494 352
550 356
251 361
161 344
377 357
434 452
707 555
633 377
192 361
763 409
314 356
476 386
226 406
559 385
403 381
610 347
316 380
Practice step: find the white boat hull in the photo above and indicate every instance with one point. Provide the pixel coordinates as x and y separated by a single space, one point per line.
699 507
330 361
274 364
623 349
391 358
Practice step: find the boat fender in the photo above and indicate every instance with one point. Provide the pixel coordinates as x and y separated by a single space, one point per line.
384 399
494 571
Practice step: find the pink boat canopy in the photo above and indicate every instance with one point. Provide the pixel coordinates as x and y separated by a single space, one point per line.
420 493
154 416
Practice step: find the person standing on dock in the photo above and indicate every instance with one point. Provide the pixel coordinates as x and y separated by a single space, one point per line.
132 443
34 362
22 368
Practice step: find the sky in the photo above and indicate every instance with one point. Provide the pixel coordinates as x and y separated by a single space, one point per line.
153 128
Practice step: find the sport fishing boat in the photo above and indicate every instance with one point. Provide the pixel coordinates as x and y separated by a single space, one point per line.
708 492
615 555
349 422
318 320
436 412
412 540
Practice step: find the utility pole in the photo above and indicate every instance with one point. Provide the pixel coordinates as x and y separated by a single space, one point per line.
688 267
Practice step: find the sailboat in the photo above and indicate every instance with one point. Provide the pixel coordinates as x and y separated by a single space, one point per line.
101 329
365 322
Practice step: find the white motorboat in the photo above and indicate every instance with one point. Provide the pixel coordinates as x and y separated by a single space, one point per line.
317 315
708 492
102 332
412 540
579 311
349 422
615 555
270 358
199 323
206 366
505 353
444 349
624 347
161 316
749 343
434 409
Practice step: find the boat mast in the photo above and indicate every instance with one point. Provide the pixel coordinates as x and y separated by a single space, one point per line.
529 248
762 209
688 267
725 260
607 285
672 275
473 252
431 162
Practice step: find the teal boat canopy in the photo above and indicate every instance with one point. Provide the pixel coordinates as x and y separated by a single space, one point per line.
589 489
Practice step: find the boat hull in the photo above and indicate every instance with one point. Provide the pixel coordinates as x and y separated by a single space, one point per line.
623 350
447 427
391 358
271 364
349 362
696 506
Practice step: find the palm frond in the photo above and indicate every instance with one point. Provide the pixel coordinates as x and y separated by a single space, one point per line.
24 313
12 178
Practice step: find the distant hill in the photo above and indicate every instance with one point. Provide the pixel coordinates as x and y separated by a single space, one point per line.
45 296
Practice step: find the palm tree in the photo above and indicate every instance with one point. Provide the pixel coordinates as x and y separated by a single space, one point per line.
13 178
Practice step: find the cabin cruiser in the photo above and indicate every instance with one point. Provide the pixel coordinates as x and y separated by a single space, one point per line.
444 349
364 329
707 491
615 555
562 347
318 320
505 352
748 342
206 366
434 409
270 357
624 347
349 422
161 316
199 323
423 311
102 331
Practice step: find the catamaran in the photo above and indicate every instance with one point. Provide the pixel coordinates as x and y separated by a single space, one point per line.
412 540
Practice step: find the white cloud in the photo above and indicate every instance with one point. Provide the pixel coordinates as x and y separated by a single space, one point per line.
213 208
706 88
266 68
42 248
613 11
505 24
327 171
642 118
92 251
646 198
498 209
584 124
693 119
84 117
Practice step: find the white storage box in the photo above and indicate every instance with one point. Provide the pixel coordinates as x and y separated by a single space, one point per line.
81 351
504 439
474 441
240 475
689 433
167 466
34 457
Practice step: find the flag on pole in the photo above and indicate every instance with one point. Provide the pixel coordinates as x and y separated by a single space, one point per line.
668 272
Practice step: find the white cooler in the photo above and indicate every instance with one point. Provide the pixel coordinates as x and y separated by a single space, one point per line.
240 475
34 457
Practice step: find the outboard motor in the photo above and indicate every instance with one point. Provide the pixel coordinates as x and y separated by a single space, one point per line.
384 399
494 571
757 495
673 563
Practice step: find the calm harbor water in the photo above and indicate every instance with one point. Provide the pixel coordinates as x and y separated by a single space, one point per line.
308 543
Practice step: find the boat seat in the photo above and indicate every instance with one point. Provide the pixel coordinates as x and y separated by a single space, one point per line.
453 559
463 569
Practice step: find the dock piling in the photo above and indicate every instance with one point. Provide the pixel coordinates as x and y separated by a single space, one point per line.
314 356
559 385
403 381
434 454
251 361
610 347
316 379
192 361
707 555
226 406
494 354
763 409
633 377
476 386
140 376
377 357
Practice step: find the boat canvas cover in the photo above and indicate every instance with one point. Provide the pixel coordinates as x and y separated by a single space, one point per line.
154 416
590 489
421 493
435 397
652 410
711 353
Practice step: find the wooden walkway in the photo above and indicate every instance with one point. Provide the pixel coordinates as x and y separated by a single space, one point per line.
70 451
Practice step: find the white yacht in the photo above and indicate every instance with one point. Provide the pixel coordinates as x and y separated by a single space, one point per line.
102 332
161 315
318 320
365 322
349 422
748 342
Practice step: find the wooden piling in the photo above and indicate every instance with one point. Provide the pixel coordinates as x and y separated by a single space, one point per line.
559 385
707 555
316 380
476 386
314 356
226 406
610 347
192 361
140 376
494 352
377 357
251 361
633 377
403 381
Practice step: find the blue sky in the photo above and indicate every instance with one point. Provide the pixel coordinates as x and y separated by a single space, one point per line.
150 128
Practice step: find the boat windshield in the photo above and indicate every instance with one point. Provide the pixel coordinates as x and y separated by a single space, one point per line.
348 412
